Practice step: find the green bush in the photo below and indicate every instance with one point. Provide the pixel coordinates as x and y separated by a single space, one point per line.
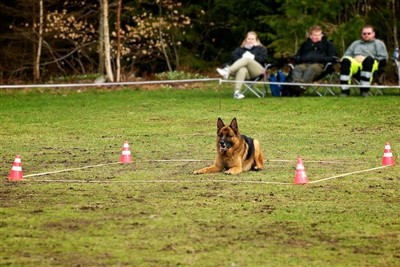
178 75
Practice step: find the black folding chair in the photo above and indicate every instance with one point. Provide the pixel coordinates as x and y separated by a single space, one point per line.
329 76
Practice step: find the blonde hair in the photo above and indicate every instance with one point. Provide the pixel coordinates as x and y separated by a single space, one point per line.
258 42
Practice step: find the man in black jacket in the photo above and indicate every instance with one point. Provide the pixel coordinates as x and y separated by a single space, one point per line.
312 56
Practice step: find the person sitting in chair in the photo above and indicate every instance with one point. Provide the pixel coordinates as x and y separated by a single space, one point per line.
246 62
364 56
312 56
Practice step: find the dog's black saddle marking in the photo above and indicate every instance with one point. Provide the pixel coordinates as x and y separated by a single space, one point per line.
250 144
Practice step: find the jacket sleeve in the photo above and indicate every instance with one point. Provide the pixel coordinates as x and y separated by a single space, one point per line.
261 55
331 55
299 56
381 52
236 54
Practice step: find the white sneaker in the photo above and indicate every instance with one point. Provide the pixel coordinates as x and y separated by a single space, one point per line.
238 95
223 72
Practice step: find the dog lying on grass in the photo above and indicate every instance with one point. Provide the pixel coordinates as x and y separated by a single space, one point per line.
236 153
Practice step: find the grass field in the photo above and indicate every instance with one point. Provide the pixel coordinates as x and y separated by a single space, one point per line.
154 212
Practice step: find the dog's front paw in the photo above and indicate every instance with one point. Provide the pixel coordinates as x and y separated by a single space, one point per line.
232 171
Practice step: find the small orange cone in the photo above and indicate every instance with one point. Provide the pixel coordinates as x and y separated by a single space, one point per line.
126 156
16 170
387 159
301 177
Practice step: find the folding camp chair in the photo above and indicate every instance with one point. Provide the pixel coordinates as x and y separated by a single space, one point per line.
379 77
254 86
397 65
329 76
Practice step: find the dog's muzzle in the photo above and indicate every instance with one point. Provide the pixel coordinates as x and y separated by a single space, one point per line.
224 146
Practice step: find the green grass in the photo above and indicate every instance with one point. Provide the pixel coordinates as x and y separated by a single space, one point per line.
156 213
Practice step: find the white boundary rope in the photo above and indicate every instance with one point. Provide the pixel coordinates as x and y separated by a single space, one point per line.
347 174
161 160
159 181
184 181
71 169
105 84
310 161
176 160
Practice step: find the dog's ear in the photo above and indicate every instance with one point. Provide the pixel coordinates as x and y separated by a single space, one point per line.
234 125
220 124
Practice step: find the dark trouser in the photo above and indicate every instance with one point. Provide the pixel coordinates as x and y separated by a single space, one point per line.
307 72
350 67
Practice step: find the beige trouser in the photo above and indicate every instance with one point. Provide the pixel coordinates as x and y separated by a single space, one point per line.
244 69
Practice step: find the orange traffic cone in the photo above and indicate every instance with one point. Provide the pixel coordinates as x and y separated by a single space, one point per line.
387 159
16 170
301 177
126 156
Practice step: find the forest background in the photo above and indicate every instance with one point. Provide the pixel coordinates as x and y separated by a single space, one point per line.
128 40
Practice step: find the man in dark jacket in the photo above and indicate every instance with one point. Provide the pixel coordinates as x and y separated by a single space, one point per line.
312 56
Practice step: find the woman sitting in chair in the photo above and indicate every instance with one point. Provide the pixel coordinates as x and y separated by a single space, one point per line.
246 63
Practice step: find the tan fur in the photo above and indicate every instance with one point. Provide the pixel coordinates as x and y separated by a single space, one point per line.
232 158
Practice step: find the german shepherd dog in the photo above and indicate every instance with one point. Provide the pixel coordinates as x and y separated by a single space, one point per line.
236 153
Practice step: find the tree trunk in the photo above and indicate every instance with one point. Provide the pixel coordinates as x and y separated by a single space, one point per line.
163 44
395 6
36 65
101 44
118 56
106 41
164 50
